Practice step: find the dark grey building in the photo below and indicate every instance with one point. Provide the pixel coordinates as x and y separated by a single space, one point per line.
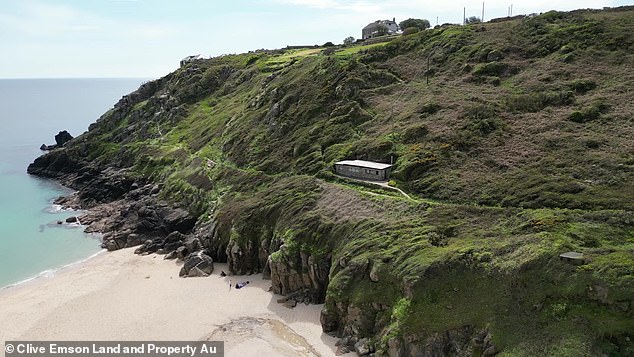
365 170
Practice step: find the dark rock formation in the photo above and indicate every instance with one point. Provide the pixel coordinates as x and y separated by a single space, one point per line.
197 264
54 164
62 138
45 147
302 272
461 342
205 233
329 320
128 212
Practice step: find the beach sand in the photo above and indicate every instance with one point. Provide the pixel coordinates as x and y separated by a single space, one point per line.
123 296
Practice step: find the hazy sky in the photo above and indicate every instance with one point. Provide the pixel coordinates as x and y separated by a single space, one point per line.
147 38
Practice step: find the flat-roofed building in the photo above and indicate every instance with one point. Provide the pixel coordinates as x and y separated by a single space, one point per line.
365 170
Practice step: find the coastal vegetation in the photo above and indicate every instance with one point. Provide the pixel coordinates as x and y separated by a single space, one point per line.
514 139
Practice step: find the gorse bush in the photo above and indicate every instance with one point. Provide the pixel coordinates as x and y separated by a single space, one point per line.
490 69
588 114
534 102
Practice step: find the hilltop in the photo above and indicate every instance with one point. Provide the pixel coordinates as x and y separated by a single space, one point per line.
515 140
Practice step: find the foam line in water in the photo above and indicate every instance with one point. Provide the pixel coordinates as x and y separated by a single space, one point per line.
50 273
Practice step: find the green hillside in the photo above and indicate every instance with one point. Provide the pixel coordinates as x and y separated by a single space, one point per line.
515 140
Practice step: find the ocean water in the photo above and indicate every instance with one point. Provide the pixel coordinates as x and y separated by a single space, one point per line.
32 111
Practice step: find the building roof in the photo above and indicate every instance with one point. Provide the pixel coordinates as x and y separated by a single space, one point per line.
571 255
190 58
362 163
375 25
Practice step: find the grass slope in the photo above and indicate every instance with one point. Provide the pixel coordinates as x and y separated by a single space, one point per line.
515 138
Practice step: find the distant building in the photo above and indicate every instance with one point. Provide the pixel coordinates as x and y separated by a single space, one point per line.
365 170
188 59
380 28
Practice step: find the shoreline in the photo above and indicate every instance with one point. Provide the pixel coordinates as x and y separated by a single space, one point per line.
123 296
54 208
51 273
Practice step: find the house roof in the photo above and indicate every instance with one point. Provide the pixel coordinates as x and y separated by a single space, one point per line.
366 164
380 23
189 58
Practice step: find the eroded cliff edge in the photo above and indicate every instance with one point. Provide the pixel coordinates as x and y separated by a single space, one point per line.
520 148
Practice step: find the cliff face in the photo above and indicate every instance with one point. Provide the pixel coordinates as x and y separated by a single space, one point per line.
515 143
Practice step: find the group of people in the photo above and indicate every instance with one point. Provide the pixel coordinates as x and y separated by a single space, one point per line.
239 285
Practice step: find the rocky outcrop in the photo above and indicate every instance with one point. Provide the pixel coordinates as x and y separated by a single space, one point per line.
461 342
205 233
301 273
197 264
133 223
245 258
129 213
60 140
55 164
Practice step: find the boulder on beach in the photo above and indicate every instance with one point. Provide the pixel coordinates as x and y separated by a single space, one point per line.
197 264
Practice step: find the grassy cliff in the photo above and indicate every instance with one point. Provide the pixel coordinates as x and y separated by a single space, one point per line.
515 140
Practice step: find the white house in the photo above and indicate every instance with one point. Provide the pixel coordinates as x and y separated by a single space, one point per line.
188 59
380 28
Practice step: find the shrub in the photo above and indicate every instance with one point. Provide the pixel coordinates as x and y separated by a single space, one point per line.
534 102
419 24
251 60
414 134
480 111
472 20
588 114
429 108
437 239
486 126
582 86
410 31
490 69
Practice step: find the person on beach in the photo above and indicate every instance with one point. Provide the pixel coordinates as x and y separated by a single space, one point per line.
242 284
223 274
229 284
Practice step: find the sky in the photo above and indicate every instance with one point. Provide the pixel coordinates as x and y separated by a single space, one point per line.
148 38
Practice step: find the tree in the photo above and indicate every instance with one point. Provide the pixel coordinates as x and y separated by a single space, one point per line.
328 44
420 24
410 30
473 20
348 40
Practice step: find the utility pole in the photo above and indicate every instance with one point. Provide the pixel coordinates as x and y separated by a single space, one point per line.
482 12
436 20
464 15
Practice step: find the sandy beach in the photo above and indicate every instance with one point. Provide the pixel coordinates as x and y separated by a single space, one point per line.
123 296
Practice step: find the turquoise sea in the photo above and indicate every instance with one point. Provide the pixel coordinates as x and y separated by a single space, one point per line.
32 111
